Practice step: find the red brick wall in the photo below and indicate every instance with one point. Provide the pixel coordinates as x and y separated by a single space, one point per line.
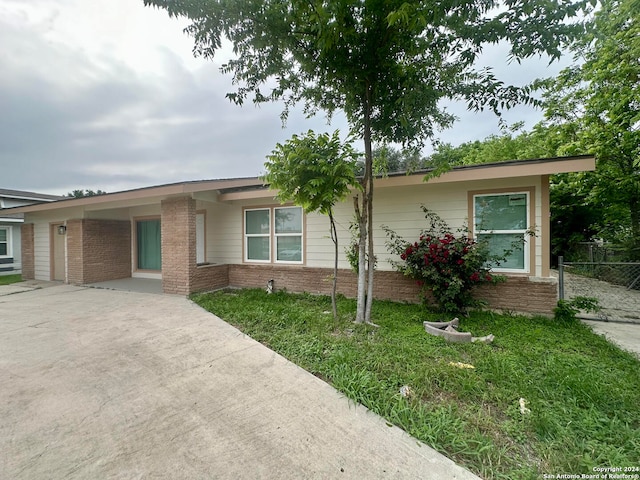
387 285
106 250
521 294
28 251
518 294
209 277
178 226
98 250
75 252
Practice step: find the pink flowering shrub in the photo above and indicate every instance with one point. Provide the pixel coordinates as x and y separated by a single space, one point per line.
446 266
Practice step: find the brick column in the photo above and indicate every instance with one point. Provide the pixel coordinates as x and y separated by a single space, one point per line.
178 227
28 252
75 252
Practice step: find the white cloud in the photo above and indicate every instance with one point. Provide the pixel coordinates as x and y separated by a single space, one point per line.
105 94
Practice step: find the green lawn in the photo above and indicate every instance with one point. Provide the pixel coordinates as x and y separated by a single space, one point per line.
582 392
7 279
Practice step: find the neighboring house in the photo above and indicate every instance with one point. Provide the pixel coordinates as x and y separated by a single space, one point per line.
210 234
10 226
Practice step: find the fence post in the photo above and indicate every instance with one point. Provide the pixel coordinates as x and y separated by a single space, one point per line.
561 277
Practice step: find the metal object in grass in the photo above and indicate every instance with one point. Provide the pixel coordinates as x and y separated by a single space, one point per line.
449 331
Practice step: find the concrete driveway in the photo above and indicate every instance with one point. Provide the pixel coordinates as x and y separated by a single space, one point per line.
106 384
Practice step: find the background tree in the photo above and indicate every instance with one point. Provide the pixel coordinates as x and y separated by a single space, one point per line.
84 193
387 64
575 218
388 159
315 172
513 144
599 100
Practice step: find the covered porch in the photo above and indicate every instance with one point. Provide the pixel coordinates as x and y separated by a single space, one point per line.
157 234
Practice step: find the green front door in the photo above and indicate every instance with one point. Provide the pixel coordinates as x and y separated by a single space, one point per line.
149 249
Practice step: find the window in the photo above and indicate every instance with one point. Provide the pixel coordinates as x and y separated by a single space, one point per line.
257 235
148 244
288 232
273 233
5 242
503 221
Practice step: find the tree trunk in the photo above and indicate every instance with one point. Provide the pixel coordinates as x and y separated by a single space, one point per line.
362 254
366 259
371 258
334 285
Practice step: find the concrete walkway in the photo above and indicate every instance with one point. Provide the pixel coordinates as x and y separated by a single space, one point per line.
25 286
110 384
625 335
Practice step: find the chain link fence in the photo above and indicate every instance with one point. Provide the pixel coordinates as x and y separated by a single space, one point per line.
615 285
598 252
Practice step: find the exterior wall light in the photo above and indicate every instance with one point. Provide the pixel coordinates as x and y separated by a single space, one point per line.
62 229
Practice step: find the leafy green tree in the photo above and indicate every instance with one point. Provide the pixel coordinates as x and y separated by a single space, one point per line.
315 172
574 215
574 218
387 159
387 64
513 144
598 102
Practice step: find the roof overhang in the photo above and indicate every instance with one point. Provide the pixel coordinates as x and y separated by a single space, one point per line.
463 173
490 171
145 195
30 196
254 188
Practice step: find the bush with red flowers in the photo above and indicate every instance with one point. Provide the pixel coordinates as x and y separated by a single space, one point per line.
446 266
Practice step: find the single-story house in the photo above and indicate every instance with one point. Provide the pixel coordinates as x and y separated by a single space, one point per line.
10 257
209 234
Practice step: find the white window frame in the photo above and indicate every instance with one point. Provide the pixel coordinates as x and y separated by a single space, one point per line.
273 236
282 235
256 235
201 238
525 246
9 241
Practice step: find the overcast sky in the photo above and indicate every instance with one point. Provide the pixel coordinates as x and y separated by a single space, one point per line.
105 94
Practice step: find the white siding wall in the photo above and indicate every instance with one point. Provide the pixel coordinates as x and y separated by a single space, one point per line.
41 237
398 208
144 211
41 250
224 233
16 245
